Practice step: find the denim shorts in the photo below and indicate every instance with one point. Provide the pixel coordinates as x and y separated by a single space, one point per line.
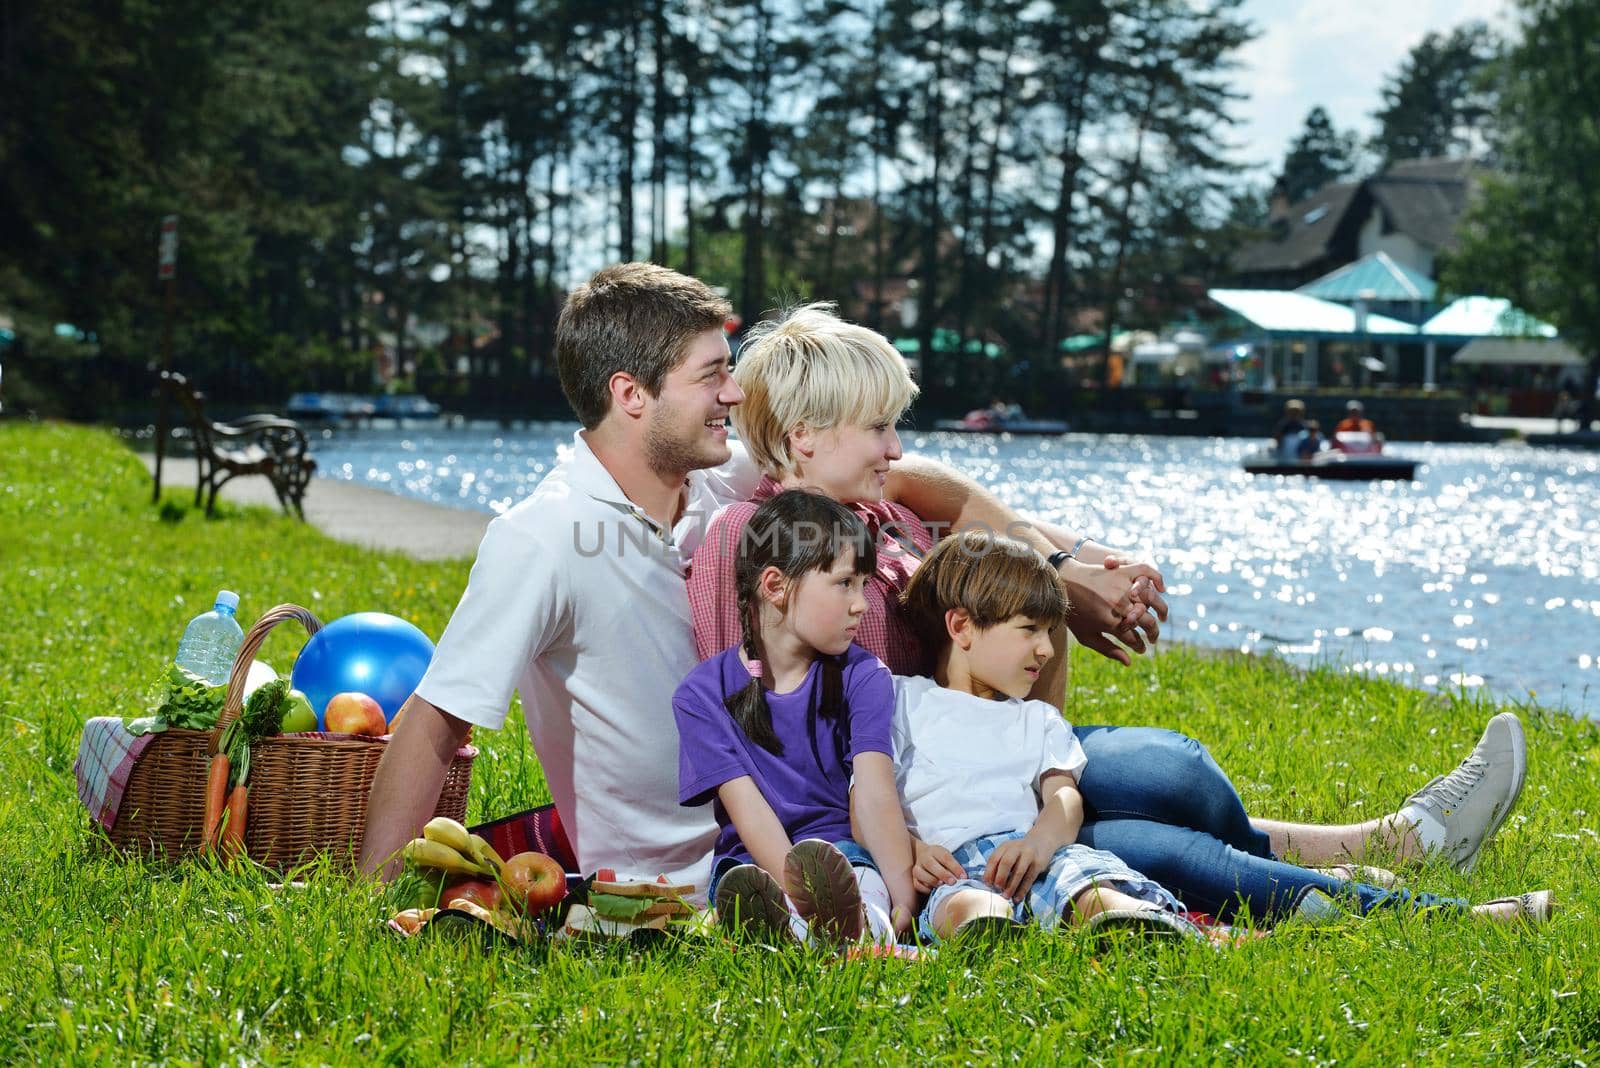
858 858
1073 869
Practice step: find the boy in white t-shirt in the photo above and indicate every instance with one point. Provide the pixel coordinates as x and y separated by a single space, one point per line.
991 777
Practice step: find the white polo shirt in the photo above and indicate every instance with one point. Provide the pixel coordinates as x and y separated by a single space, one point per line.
577 601
968 766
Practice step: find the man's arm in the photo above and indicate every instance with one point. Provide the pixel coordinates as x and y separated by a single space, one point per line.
1104 596
405 789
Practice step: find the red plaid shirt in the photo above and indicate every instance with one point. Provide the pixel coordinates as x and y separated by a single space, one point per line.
714 600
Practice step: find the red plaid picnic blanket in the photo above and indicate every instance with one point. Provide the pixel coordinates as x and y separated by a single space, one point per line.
106 756
538 829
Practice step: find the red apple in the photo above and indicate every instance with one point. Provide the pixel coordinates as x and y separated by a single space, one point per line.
354 713
482 892
533 883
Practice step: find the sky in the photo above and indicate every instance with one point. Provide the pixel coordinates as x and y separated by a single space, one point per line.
1338 55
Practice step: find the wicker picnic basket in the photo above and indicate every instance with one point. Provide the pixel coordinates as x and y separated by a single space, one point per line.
308 794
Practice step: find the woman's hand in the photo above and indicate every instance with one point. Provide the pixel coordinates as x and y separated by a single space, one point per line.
933 866
1114 598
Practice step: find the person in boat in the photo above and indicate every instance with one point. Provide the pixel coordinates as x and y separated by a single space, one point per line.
1286 435
1311 442
1355 419
822 397
1355 433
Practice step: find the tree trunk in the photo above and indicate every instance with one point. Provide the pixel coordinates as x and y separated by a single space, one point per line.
660 111
966 209
933 134
1134 173
688 179
627 139
757 153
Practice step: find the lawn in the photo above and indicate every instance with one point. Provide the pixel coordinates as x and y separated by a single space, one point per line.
113 962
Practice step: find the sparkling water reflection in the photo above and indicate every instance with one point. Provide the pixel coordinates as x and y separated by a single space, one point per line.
1483 572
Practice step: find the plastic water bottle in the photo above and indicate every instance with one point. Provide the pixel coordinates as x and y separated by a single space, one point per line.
212 640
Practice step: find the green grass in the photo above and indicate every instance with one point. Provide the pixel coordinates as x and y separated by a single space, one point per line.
116 962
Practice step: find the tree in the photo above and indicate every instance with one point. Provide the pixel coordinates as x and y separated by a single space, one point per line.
232 116
1319 155
1532 231
1441 101
1175 97
1073 36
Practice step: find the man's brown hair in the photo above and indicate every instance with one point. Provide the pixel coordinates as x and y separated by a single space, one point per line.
638 318
992 577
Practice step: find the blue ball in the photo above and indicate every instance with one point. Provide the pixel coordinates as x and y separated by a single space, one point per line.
373 653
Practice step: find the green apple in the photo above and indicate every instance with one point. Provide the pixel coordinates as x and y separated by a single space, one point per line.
297 714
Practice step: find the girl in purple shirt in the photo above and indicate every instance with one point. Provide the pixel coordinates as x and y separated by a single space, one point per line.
788 734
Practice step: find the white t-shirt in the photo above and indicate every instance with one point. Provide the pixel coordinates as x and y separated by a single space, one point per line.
577 601
968 766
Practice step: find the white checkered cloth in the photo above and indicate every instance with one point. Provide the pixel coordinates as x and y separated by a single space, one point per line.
106 756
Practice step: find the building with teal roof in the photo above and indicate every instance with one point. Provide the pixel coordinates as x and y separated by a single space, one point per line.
1380 282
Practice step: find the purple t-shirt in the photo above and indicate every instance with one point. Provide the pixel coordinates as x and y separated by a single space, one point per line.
810 797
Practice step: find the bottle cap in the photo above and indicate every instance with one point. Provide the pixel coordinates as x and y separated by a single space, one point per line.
227 599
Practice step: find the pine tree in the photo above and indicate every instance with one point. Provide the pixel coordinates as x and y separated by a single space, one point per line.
1319 155
1441 101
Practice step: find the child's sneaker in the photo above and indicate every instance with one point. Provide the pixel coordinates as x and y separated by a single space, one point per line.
824 892
750 903
1315 907
1146 923
1364 873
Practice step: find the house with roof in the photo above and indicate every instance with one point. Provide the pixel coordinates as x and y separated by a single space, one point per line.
1408 213
1342 292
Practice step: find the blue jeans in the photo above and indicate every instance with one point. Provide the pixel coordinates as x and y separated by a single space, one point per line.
1156 799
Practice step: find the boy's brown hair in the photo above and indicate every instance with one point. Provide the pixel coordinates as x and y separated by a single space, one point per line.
638 318
992 578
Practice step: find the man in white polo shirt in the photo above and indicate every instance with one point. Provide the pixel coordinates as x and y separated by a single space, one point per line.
577 597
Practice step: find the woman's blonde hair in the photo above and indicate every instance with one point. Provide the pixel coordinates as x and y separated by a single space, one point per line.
991 577
809 367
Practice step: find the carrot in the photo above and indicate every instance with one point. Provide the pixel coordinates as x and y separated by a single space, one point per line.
233 831
216 789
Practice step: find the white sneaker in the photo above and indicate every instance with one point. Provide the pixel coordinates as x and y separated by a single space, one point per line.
1456 814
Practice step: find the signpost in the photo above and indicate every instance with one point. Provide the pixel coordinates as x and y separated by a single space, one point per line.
167 274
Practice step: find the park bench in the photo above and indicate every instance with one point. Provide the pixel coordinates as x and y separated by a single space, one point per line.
267 445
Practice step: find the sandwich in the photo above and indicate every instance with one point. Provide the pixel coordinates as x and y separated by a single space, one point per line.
615 909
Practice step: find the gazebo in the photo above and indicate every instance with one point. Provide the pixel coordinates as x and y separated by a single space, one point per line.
1379 283
1291 327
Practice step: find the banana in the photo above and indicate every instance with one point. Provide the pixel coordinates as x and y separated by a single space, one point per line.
429 854
448 832
484 853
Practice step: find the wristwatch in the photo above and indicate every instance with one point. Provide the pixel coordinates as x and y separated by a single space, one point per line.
1061 556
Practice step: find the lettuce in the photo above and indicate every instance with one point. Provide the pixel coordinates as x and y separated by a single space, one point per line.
180 698
617 907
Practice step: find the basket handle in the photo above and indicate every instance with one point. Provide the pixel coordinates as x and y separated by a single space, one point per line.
234 704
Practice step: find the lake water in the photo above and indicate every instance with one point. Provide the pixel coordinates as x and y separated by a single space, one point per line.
1484 572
